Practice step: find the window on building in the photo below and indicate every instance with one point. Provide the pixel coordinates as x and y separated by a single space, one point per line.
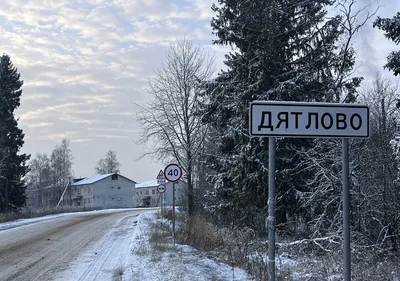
147 192
153 191
114 177
137 192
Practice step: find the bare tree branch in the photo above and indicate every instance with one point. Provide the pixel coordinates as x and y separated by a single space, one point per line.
172 120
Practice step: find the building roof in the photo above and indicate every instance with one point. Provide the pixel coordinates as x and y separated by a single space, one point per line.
147 184
93 179
152 183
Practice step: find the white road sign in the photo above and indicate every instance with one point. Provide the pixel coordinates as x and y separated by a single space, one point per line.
301 119
161 188
173 172
161 177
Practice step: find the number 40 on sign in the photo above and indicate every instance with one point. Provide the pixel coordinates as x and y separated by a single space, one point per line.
173 172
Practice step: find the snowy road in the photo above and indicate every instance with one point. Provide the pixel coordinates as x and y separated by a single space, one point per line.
44 249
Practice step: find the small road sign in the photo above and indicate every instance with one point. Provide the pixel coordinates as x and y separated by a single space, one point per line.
161 177
161 188
173 172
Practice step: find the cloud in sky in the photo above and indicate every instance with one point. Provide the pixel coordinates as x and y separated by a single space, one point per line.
84 64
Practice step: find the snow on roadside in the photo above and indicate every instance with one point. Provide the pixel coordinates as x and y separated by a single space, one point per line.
179 263
23 222
126 254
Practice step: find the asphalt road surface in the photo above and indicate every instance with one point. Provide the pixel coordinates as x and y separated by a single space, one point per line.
40 250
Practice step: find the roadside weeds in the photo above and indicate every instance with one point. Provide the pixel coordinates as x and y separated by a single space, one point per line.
242 248
154 248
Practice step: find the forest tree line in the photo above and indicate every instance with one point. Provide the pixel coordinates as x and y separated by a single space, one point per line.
290 50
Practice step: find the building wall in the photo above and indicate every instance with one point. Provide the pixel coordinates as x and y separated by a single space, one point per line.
105 193
142 192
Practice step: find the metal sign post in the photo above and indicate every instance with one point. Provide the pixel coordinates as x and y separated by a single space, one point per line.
300 119
161 180
173 173
271 209
173 212
164 202
346 211
161 189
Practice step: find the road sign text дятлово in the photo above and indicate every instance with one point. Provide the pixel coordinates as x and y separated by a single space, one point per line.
300 119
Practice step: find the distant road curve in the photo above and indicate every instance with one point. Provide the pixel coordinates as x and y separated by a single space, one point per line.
39 250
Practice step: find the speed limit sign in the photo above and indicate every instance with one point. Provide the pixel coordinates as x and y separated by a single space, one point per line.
173 172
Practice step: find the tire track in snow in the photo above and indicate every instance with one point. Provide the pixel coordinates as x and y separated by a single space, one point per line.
115 244
40 251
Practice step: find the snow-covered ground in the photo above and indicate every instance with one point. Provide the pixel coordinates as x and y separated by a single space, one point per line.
22 222
125 253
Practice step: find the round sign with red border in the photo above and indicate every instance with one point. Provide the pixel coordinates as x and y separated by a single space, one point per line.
161 188
173 172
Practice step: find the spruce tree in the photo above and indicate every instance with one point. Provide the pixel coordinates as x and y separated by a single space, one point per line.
391 27
12 164
281 50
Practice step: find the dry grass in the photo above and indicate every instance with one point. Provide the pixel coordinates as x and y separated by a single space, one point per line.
368 264
238 248
242 248
117 273
160 237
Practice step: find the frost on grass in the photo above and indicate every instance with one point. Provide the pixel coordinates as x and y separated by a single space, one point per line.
154 257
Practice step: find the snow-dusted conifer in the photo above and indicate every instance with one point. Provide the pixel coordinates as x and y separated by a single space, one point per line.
391 27
281 50
12 165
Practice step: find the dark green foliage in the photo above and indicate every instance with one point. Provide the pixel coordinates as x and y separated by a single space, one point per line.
281 50
12 165
391 27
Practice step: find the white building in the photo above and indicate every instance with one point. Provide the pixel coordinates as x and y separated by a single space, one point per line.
148 196
104 191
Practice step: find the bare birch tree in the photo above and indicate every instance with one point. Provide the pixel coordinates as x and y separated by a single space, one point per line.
39 176
61 166
171 119
109 164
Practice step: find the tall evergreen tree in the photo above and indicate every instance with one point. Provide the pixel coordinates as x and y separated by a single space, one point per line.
281 50
391 27
12 164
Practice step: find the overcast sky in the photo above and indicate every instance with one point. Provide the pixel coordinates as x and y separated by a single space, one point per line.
84 64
